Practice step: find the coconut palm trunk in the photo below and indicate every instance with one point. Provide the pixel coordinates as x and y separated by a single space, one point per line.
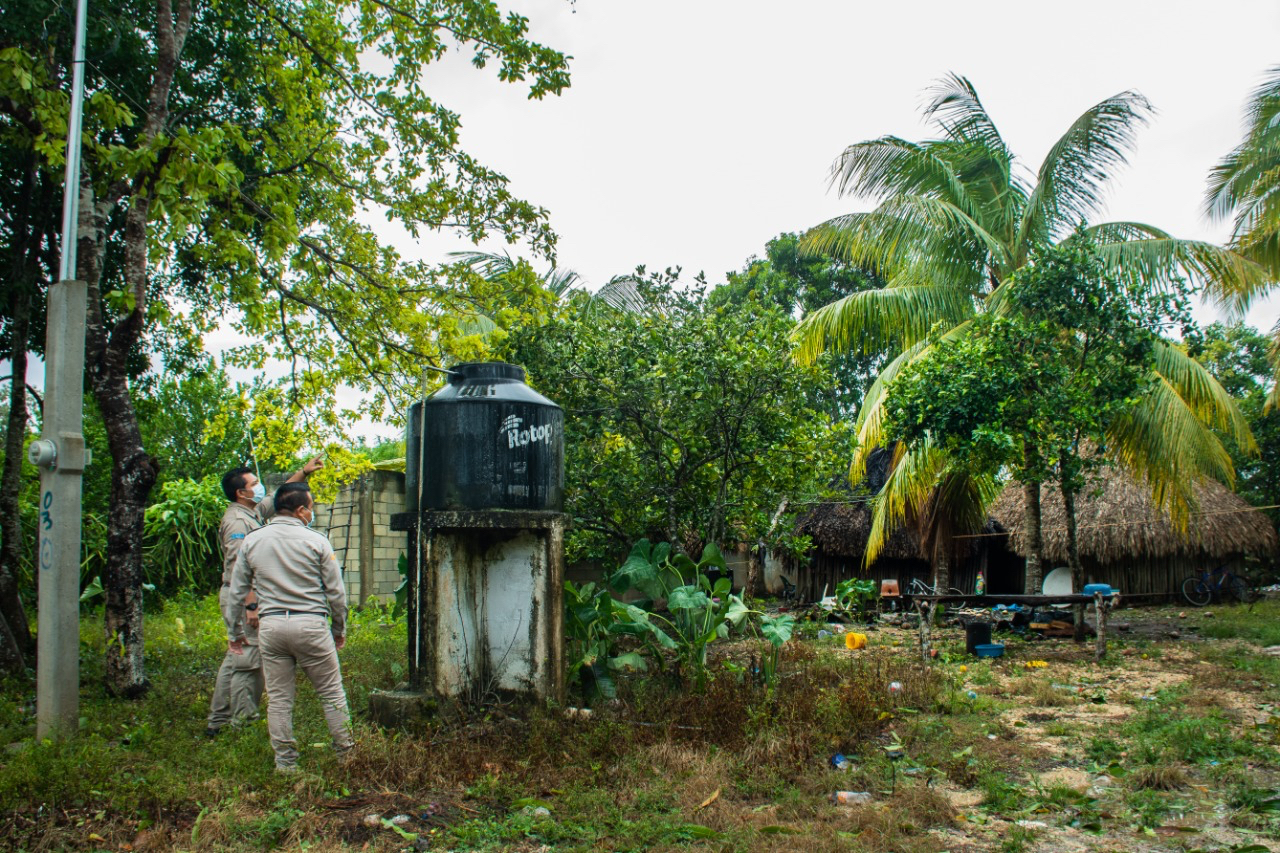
1073 555
1035 540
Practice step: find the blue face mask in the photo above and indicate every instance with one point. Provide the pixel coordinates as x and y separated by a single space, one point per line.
311 517
259 492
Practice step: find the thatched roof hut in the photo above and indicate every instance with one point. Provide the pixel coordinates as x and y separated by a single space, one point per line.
839 529
842 527
1125 541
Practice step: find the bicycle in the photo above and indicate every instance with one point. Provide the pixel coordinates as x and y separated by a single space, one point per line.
918 587
1200 589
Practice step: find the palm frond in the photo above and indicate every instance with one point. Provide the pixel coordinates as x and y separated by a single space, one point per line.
1240 178
955 106
1071 179
487 265
1162 441
476 324
621 294
890 166
1231 279
875 320
957 505
561 281
1202 393
1121 232
912 476
869 425
929 236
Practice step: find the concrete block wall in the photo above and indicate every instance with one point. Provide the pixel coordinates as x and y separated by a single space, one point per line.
357 522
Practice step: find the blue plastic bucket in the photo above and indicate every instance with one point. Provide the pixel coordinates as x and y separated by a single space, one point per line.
989 650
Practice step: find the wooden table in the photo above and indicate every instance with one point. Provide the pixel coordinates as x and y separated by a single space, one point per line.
1103 604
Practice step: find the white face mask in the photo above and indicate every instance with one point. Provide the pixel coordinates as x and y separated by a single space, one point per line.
259 492
311 517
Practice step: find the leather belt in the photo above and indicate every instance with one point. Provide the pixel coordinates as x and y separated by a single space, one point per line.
291 613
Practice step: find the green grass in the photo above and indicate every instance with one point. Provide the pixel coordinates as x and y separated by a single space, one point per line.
1169 730
1257 623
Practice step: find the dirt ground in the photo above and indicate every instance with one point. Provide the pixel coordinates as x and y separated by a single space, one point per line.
1049 700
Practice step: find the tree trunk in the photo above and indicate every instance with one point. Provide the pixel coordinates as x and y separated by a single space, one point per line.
107 347
132 476
31 224
755 566
17 632
755 572
1035 542
941 574
942 569
1073 556
133 472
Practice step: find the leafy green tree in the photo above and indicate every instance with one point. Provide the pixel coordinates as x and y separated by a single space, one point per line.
175 413
1034 391
684 423
230 150
799 284
1239 358
956 219
29 226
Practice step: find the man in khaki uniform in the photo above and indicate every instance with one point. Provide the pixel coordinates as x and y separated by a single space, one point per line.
238 688
302 608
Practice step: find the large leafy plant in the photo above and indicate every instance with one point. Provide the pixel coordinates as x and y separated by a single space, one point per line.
593 619
181 531
698 611
855 595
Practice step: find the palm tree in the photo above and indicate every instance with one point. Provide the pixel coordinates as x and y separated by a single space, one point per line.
618 292
956 217
1245 188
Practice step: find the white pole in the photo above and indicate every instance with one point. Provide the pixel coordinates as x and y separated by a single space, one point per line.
61 454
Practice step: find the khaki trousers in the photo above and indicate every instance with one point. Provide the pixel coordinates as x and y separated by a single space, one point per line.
237 691
289 641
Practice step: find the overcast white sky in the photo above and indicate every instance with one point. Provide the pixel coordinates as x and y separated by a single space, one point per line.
697 130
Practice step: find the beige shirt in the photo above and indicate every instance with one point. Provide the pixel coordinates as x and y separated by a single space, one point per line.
237 523
289 567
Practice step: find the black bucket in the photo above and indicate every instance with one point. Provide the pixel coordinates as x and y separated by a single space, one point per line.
976 634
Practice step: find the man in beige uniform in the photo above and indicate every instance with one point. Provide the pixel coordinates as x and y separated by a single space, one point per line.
238 688
302 605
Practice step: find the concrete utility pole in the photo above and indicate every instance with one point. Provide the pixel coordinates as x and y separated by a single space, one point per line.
61 456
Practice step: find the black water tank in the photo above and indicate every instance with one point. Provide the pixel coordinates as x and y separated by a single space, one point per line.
413 457
488 441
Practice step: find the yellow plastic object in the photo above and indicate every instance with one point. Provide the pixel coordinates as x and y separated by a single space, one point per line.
854 641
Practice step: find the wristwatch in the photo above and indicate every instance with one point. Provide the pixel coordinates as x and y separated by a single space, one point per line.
253 606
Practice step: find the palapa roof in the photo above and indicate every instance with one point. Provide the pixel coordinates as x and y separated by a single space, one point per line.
1116 519
842 526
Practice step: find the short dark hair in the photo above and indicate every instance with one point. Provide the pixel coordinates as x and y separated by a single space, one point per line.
233 481
291 496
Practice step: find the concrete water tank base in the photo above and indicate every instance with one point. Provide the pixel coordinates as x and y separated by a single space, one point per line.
486 599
